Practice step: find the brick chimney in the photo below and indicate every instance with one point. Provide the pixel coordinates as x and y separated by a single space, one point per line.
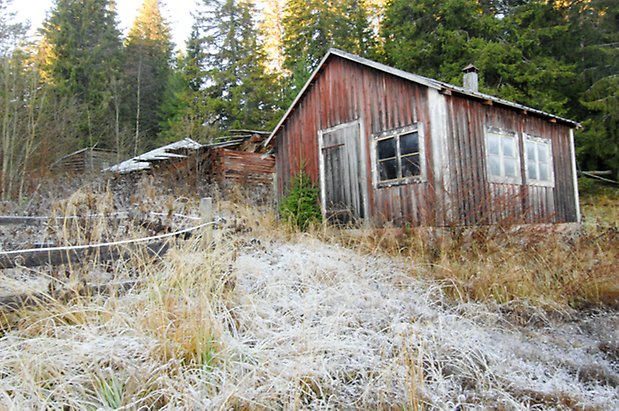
471 78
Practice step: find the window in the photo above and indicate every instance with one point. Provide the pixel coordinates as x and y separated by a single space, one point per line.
503 163
398 155
538 161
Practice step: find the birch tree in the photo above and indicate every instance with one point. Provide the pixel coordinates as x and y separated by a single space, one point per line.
147 70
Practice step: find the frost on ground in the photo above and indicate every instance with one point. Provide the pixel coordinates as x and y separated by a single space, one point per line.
334 328
310 326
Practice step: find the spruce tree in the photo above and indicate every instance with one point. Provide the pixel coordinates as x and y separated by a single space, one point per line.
84 52
517 47
273 32
238 92
311 27
595 37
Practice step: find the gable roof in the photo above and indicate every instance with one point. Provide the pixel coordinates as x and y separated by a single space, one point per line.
415 78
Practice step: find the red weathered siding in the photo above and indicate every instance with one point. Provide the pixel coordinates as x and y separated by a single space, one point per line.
231 166
346 91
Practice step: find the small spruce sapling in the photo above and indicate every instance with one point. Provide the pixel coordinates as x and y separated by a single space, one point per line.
300 208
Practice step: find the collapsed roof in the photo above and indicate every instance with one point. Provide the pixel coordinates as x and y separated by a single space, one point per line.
145 161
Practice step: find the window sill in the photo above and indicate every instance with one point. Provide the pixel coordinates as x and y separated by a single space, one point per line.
400 182
515 182
537 183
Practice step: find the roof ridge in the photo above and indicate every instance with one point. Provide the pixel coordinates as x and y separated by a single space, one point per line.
428 82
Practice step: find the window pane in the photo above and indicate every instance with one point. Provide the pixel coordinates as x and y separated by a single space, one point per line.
531 170
409 143
530 151
509 147
493 144
386 148
510 167
544 174
495 166
542 153
388 170
410 166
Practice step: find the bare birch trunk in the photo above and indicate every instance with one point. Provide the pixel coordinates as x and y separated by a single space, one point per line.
137 109
116 118
34 119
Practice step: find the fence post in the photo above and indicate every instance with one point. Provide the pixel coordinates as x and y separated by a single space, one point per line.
206 209
206 212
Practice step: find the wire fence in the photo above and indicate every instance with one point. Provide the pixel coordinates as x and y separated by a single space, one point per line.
155 245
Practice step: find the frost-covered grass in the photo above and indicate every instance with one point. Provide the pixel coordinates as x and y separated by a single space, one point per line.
252 316
261 324
546 265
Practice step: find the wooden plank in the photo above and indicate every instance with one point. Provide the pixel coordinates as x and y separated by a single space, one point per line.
54 257
35 220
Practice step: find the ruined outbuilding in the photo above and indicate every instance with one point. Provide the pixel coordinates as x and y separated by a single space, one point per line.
239 159
85 161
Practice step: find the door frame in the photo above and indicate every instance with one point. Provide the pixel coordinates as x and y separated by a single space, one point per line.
363 180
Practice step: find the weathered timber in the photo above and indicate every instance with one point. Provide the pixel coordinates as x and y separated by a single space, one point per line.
35 220
11 220
598 172
597 176
453 186
86 160
71 255
263 133
240 167
17 302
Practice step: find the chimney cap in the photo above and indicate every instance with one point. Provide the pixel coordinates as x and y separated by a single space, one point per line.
470 69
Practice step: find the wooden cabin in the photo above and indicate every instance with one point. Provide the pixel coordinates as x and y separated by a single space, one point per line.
389 147
90 160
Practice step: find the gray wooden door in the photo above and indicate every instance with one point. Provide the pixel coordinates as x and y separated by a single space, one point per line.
342 174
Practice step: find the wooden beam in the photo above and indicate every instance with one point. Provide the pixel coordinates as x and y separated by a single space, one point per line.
34 220
487 103
265 133
37 258
599 172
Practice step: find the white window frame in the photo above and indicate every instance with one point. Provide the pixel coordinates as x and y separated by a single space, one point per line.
395 133
502 178
539 141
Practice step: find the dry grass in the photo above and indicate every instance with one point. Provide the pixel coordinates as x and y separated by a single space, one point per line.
600 206
131 351
547 265
540 264
256 316
550 266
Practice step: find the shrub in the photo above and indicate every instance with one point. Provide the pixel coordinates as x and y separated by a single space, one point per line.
587 186
300 208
